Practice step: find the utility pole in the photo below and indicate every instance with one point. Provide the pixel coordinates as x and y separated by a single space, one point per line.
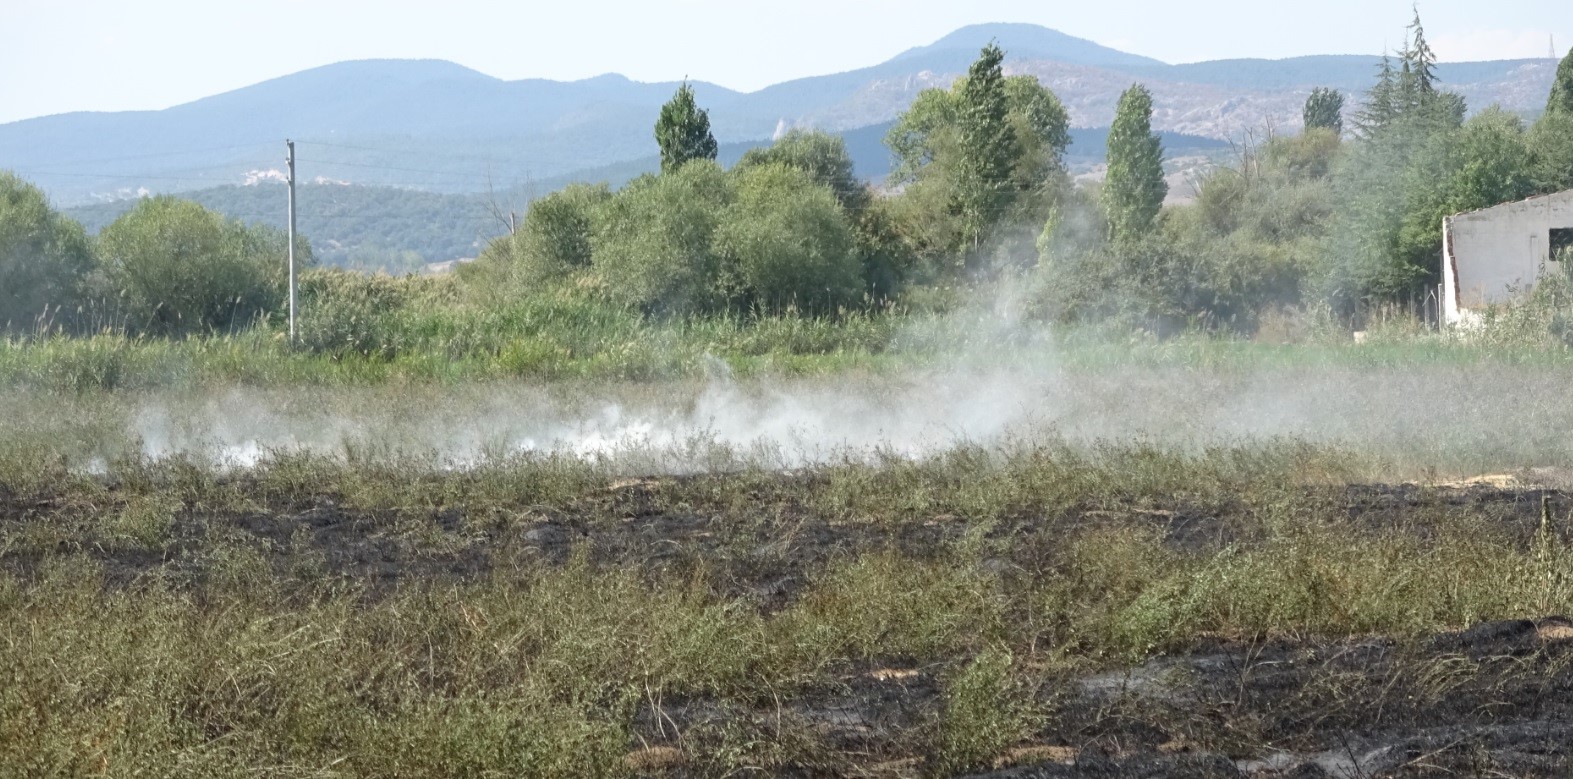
290 159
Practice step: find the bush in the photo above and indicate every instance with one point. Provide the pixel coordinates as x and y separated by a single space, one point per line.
1168 283
787 243
179 269
44 257
554 239
1551 145
820 155
652 248
345 313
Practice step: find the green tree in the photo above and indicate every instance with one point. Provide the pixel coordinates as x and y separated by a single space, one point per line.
1042 134
1324 109
884 254
925 135
1134 190
1417 79
820 155
1409 97
1561 100
1485 163
940 172
44 257
1551 144
988 145
683 131
785 241
1381 101
1394 190
652 246
554 237
181 269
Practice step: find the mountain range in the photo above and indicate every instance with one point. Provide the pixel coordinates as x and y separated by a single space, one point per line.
440 127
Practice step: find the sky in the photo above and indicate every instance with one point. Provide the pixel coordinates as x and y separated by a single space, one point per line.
114 55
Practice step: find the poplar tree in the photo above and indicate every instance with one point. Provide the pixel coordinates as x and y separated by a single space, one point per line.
1325 109
683 131
1561 101
1134 190
988 144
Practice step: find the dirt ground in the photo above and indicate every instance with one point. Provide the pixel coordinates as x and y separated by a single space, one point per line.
1493 700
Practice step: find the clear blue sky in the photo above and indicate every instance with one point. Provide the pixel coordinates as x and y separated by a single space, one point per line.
69 55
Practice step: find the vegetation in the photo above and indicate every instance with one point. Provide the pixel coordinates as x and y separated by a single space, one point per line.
147 259
1561 100
1324 110
365 228
1299 227
1135 189
553 241
934 616
785 242
44 258
963 205
989 471
683 131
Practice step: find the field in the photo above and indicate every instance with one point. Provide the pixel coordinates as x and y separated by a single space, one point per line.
1183 558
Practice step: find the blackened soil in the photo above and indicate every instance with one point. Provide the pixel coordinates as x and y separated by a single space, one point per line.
1495 700
764 545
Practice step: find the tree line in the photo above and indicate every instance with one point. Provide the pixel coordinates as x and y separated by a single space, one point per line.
1342 215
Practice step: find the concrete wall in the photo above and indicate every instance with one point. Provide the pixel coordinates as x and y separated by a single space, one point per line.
1491 254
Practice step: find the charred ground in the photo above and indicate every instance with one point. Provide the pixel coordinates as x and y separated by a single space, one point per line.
1041 613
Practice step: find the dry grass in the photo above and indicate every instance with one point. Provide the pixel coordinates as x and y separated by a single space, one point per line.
315 618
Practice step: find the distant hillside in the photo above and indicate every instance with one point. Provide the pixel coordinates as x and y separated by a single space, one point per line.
372 228
440 127
369 228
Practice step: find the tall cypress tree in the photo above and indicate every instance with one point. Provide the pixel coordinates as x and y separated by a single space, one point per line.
1561 101
988 145
683 130
1134 190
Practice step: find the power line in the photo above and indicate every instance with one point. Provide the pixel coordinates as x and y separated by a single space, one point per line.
111 176
164 154
452 173
426 152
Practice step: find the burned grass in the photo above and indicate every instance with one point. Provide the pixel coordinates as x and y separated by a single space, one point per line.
1039 612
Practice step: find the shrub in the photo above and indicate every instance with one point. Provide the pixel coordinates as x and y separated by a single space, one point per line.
44 257
554 238
820 155
179 269
786 242
1164 284
344 313
652 248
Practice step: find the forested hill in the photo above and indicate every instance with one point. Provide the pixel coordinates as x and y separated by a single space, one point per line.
441 127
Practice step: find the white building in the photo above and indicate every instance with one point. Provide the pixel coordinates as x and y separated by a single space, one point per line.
1491 255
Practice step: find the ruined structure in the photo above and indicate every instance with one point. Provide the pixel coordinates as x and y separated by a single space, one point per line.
1494 254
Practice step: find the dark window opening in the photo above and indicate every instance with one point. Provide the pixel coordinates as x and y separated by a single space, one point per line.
1561 243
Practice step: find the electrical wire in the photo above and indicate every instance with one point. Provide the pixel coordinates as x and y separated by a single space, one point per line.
153 155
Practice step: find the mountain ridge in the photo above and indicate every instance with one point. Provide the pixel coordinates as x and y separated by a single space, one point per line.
438 125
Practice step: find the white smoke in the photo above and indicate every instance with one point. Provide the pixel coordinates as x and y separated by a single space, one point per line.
1440 416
